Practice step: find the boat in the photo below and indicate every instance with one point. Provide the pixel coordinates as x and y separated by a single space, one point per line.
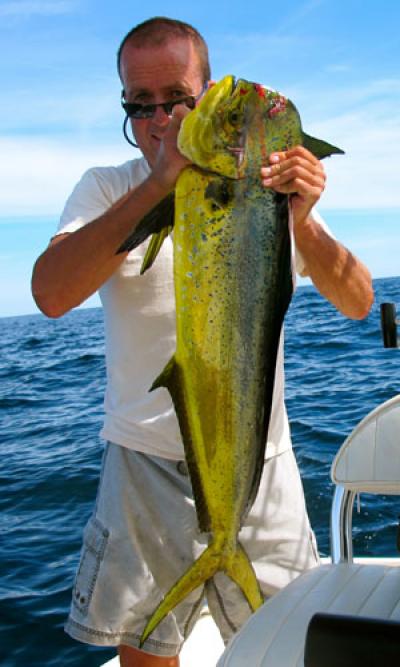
361 594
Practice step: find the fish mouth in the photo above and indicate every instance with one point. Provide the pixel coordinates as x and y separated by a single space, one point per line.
238 151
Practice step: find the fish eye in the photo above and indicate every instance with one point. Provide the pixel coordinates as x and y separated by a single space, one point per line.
234 117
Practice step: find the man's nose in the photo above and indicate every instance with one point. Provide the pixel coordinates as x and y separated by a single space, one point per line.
160 116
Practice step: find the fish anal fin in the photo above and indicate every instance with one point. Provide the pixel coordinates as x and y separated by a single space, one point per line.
166 377
172 379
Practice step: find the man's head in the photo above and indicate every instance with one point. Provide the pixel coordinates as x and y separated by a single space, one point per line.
159 30
160 61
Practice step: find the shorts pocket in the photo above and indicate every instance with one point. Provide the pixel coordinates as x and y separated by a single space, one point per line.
95 540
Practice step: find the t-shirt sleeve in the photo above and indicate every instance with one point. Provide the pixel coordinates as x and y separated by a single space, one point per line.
300 264
88 200
98 189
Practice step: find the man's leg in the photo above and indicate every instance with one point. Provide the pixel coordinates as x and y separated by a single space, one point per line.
132 657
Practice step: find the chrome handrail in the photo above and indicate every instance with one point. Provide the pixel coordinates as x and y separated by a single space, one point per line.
341 523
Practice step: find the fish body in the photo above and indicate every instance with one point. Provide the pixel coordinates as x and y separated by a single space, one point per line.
233 284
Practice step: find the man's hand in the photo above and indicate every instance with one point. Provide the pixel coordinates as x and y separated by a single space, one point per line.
170 161
298 173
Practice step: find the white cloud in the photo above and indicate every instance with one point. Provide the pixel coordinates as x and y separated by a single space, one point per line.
245 53
63 106
39 173
338 68
364 120
367 175
297 16
26 8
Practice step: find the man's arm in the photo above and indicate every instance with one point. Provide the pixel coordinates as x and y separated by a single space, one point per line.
75 265
337 274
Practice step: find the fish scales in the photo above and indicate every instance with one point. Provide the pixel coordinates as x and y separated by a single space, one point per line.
233 284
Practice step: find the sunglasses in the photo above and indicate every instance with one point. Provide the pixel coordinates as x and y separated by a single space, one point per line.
138 111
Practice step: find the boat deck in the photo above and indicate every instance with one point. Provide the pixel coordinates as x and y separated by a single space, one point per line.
202 649
204 646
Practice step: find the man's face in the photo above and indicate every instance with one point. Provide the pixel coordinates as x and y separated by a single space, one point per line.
158 74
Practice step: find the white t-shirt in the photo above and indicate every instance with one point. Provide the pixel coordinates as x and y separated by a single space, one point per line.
139 317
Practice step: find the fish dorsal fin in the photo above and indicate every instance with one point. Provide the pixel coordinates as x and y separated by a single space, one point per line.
320 148
156 222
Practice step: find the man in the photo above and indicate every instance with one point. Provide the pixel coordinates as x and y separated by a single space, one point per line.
143 533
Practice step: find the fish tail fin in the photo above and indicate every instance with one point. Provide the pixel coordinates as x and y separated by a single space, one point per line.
235 564
239 568
201 570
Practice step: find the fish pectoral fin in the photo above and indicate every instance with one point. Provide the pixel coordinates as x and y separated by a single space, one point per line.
220 192
320 148
201 570
159 218
154 248
239 568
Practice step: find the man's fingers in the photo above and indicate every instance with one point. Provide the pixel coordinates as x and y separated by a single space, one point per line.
302 188
179 111
279 167
178 114
288 179
280 174
296 151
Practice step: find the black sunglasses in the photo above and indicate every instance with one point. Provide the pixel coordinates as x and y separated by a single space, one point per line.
135 110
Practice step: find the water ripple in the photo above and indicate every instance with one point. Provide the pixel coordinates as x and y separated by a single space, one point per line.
51 393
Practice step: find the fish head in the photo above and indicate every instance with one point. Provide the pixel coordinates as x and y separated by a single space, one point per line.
238 124
210 133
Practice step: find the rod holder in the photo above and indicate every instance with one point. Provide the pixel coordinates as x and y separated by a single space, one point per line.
389 325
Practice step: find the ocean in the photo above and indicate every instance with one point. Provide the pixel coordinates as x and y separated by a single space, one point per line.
51 393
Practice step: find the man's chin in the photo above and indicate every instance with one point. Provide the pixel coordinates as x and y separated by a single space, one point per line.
149 157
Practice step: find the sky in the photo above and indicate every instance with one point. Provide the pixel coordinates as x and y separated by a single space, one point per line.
339 61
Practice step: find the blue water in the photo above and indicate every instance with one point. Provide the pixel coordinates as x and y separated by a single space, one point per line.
51 392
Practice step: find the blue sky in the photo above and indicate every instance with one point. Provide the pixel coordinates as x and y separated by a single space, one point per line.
59 107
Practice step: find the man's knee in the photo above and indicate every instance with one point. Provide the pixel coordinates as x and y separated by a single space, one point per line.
133 657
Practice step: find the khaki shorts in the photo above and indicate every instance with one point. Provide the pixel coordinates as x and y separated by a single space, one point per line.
143 535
